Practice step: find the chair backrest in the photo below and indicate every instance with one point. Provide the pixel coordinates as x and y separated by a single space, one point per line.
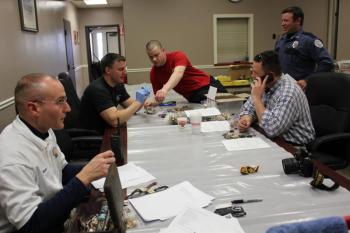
328 95
72 117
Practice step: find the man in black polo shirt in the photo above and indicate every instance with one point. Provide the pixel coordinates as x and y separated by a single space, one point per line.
100 99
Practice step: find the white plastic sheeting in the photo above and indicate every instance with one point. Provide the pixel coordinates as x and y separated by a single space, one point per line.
173 155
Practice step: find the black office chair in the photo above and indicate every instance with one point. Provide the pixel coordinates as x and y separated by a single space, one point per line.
76 143
328 95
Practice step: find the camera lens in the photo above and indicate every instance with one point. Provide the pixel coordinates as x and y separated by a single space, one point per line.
290 165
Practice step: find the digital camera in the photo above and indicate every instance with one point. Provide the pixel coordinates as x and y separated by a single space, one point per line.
301 164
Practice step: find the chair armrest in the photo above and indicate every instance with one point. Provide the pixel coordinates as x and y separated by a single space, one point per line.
87 139
328 138
78 132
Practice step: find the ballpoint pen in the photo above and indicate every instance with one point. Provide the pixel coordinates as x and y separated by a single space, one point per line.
240 201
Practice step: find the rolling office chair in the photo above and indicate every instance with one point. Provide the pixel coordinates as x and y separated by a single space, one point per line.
76 143
328 95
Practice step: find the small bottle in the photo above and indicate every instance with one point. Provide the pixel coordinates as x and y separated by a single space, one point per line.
196 119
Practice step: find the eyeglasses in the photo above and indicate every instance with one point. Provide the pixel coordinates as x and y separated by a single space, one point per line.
61 101
147 190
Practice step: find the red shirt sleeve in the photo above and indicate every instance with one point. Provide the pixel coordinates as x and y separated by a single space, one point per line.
181 59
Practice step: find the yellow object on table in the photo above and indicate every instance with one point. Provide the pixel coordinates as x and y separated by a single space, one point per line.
245 170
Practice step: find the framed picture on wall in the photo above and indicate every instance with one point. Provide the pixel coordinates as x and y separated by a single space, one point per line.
28 14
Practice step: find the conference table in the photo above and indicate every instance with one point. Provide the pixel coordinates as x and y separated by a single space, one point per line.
174 155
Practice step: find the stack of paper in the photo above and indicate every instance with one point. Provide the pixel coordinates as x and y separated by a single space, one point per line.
129 175
245 144
204 112
214 126
169 203
199 220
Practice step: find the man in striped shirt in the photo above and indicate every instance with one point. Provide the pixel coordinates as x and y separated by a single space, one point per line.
277 103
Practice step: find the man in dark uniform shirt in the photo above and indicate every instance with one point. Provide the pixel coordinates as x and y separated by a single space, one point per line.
100 99
300 53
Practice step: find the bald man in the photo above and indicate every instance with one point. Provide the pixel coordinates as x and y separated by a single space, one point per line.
38 188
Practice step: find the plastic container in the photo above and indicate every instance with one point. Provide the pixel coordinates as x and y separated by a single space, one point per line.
196 120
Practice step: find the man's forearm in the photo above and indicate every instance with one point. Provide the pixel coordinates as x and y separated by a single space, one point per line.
175 78
51 214
259 109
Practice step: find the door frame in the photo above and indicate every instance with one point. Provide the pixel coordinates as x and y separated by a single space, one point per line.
88 28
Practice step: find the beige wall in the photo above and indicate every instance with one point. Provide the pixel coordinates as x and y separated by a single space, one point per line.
188 25
343 50
26 52
93 17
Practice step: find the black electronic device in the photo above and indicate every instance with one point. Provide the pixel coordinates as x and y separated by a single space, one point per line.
115 198
117 147
235 211
269 78
301 164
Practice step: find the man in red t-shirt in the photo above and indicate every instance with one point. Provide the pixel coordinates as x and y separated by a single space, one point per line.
173 70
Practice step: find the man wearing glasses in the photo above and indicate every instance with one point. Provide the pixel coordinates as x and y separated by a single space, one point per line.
38 188
277 103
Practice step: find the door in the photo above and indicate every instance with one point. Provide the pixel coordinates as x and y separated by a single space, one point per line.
69 50
100 40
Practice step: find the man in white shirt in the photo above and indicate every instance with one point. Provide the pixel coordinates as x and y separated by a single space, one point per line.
38 188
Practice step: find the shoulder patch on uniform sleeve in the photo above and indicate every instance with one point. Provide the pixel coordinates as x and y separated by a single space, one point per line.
318 43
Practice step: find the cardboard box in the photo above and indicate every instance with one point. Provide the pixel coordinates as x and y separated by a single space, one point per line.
240 71
227 102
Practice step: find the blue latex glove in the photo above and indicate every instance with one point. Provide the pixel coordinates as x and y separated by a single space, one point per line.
142 94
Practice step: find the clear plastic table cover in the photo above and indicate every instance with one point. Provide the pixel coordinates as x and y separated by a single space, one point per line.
174 155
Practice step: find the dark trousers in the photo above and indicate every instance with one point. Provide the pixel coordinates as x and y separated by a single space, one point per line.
199 94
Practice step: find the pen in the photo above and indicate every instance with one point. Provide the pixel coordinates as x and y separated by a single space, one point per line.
240 201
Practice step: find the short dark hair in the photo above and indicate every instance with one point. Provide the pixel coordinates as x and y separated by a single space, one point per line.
269 61
297 13
109 59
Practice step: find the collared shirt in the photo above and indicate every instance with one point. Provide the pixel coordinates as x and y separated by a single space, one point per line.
302 54
30 173
286 114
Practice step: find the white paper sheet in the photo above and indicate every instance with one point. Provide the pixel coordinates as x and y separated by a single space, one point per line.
244 144
199 220
129 175
212 93
204 112
168 203
214 126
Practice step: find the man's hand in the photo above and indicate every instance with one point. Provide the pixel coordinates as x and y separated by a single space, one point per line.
258 88
244 123
160 95
302 83
150 102
96 168
142 94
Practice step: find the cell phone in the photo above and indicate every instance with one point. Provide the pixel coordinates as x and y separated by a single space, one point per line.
269 77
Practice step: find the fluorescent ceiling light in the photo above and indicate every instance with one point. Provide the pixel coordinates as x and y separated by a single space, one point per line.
95 2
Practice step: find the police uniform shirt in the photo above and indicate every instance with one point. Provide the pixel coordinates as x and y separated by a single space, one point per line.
30 173
301 54
98 97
